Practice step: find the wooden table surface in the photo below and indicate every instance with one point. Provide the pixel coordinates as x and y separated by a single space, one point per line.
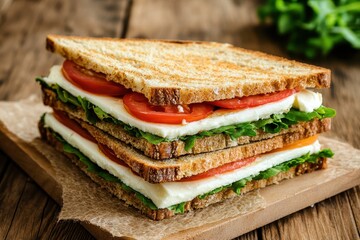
27 212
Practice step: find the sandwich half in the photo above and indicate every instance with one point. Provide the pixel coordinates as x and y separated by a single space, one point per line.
172 126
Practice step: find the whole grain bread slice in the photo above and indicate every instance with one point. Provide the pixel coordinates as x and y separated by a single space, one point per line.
184 72
174 169
130 199
174 149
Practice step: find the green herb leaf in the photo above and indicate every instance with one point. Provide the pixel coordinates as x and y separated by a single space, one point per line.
314 28
178 208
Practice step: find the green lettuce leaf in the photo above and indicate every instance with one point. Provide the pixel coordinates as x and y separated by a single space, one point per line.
93 168
180 208
312 158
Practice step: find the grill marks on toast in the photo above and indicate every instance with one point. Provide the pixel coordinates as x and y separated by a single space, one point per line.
193 71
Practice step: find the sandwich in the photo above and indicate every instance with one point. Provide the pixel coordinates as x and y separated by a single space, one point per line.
173 126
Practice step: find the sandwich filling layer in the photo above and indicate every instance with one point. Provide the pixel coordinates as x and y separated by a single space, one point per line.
305 101
165 195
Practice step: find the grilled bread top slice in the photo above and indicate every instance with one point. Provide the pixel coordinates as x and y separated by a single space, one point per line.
184 72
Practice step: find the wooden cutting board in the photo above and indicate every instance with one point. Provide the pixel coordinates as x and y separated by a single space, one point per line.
281 200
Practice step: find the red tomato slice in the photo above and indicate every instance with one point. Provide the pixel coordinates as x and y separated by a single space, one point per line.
111 155
222 169
253 101
91 81
138 105
73 125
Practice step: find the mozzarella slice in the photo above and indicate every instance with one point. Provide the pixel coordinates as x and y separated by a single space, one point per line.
115 107
167 194
307 101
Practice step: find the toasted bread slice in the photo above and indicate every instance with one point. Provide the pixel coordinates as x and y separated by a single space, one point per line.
174 149
130 197
184 72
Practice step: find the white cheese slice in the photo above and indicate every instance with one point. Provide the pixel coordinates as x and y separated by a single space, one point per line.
307 101
115 107
167 194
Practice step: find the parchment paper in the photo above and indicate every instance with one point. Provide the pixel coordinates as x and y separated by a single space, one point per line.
84 201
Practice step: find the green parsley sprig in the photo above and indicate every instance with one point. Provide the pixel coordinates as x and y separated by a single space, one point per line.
314 27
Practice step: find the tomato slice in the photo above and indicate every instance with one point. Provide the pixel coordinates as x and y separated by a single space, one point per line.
138 105
73 125
222 169
253 101
91 81
297 144
111 155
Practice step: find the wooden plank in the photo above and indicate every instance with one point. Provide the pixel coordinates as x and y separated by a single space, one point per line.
248 236
26 199
212 20
49 219
67 230
4 161
22 38
52 229
28 212
354 198
16 181
24 154
343 96
331 217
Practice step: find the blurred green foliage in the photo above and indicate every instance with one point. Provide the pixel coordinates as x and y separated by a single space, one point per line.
314 27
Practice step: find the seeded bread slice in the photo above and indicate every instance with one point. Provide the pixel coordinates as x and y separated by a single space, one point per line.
184 72
174 149
130 198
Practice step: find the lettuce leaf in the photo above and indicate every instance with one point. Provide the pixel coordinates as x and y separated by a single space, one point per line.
311 158
180 208
93 168
274 124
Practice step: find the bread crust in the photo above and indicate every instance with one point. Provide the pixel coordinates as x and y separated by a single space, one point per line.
184 72
130 199
174 149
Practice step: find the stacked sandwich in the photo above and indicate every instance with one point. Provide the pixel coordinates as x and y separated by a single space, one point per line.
173 126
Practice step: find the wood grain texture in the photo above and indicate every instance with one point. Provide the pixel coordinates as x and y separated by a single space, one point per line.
354 198
28 216
22 39
12 187
248 236
24 25
4 161
331 218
